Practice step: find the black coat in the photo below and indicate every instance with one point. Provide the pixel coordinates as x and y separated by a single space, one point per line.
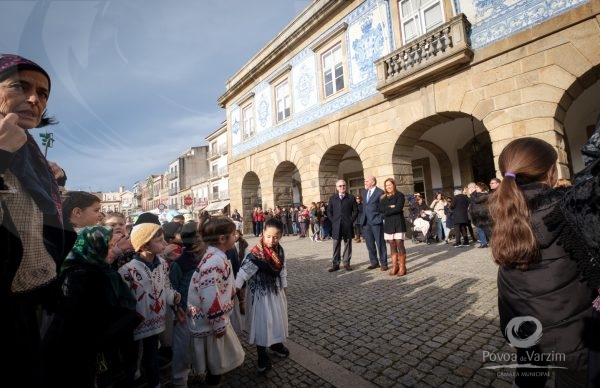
342 214
550 290
89 320
460 209
392 209
478 211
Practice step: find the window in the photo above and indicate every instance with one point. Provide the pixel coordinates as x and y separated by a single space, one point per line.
333 70
247 122
418 17
283 101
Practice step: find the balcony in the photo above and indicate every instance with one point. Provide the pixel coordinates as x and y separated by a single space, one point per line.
431 56
213 153
217 151
172 192
173 175
218 173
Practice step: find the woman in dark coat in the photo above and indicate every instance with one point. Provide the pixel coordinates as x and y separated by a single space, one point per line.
391 205
460 217
580 208
540 293
478 211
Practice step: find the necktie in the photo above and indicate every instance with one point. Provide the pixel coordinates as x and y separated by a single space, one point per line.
368 195
341 196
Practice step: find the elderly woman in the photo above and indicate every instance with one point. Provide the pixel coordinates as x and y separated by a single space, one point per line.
31 229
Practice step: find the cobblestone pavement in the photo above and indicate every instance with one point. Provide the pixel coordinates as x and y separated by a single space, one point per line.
364 328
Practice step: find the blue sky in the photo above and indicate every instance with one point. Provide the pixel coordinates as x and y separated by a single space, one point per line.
136 82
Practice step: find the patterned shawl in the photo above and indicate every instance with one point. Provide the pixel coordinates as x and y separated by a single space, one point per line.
266 259
31 168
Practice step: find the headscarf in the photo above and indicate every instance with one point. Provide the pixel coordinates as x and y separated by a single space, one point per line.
10 63
90 250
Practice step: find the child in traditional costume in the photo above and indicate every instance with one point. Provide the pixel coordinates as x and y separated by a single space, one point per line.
264 272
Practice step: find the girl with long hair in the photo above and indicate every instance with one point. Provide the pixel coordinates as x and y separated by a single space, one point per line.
538 281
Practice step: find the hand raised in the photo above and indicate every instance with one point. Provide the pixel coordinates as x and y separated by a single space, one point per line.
56 170
12 137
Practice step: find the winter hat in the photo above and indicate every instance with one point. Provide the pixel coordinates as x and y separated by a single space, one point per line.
147 217
171 229
189 235
142 234
10 63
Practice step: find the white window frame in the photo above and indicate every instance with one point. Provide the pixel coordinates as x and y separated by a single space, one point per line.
335 65
248 128
283 100
416 15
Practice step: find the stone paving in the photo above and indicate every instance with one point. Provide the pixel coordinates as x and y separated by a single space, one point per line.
364 328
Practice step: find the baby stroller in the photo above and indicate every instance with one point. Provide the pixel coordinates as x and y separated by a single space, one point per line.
417 234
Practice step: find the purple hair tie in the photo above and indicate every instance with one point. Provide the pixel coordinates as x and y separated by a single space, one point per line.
510 174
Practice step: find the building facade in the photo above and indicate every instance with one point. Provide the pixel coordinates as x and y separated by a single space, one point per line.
428 94
189 169
121 201
218 184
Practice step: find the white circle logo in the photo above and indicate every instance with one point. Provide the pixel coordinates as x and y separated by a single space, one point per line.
512 332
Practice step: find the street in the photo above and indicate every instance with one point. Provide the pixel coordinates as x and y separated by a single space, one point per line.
364 328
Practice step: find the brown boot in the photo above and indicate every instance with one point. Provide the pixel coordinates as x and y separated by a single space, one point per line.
402 262
395 267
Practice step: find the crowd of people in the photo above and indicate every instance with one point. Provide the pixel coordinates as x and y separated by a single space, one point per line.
92 300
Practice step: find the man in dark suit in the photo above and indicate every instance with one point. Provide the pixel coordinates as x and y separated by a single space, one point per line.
342 211
372 221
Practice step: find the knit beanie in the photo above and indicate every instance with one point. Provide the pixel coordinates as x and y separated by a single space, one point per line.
171 229
10 63
142 234
189 236
147 217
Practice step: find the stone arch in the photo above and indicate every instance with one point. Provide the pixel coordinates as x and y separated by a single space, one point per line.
578 111
287 186
444 162
459 142
251 197
339 162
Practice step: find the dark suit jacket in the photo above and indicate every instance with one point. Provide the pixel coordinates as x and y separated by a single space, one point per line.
370 214
342 214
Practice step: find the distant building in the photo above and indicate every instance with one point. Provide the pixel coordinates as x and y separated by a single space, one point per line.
120 201
218 184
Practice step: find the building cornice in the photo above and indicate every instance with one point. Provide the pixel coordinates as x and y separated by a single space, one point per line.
294 34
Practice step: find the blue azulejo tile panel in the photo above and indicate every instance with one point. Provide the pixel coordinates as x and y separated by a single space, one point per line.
368 38
493 20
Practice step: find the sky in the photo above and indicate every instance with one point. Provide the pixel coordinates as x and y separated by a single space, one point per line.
135 83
